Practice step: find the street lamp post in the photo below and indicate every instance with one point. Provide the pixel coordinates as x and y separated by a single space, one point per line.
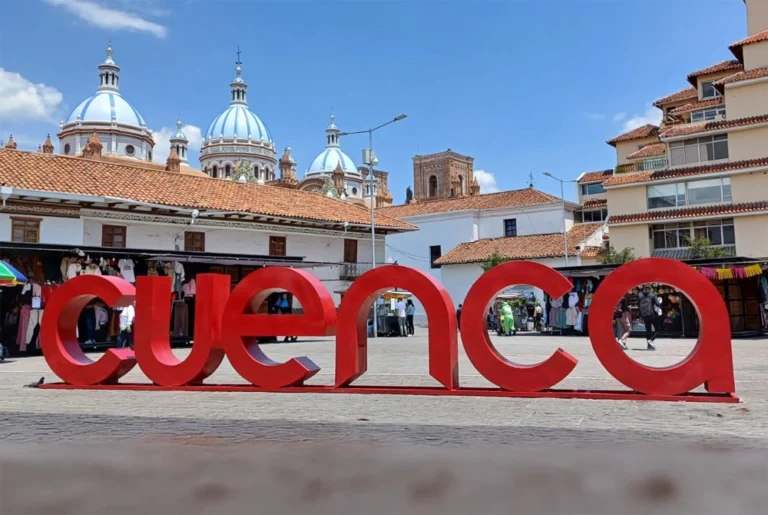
562 197
369 158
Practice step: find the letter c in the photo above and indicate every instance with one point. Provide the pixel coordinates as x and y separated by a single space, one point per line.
474 334
58 332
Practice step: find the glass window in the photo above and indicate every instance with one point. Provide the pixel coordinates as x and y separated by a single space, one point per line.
277 246
708 90
510 227
592 189
707 191
434 254
663 195
25 230
729 234
699 149
113 236
727 190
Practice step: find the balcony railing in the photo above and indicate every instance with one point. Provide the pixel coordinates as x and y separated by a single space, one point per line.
652 164
351 271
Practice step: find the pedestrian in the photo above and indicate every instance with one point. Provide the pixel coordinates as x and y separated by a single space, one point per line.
284 308
647 302
491 320
458 316
624 323
125 339
401 318
410 310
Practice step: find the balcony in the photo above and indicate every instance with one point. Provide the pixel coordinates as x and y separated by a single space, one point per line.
652 164
625 168
351 271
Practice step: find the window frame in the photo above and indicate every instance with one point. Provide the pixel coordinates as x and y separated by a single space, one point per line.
683 193
510 223
278 246
30 226
191 238
715 111
695 230
435 253
585 188
348 246
108 234
711 84
689 145
588 215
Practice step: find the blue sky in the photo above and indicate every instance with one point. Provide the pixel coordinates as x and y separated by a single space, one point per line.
524 86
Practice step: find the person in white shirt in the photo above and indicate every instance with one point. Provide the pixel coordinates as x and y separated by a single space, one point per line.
126 327
401 318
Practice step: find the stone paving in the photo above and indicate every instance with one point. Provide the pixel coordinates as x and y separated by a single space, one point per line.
32 415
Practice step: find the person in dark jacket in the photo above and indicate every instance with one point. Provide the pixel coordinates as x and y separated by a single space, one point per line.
458 316
647 302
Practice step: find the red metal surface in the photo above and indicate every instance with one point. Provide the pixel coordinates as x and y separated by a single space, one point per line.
613 395
58 332
153 318
474 334
352 335
710 363
240 325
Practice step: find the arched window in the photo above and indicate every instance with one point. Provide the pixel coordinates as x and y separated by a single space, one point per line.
433 186
178 150
461 185
215 172
227 171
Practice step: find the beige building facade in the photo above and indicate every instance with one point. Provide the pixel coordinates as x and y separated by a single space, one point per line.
702 173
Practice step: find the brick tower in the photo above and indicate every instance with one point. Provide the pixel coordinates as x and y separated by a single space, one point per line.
443 175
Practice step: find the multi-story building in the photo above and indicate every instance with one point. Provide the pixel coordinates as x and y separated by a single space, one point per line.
703 173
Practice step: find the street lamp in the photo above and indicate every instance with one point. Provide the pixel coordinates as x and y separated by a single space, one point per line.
562 197
369 158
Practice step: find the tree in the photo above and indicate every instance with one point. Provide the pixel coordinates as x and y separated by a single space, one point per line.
495 259
614 257
702 248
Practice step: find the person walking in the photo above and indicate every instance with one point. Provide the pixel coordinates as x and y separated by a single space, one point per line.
491 320
647 303
410 310
284 308
458 316
401 318
624 323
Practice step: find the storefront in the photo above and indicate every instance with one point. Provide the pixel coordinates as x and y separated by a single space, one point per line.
742 283
48 266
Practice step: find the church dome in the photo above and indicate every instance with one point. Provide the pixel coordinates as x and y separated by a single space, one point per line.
237 121
327 161
106 107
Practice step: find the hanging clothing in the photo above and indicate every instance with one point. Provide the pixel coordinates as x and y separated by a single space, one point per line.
73 269
180 319
92 269
571 316
101 316
35 317
126 270
63 268
21 335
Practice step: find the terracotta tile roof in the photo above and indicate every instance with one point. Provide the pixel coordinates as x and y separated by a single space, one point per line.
646 131
657 149
597 202
742 76
672 173
683 94
596 176
79 176
699 105
696 128
514 198
722 66
690 212
519 247
738 48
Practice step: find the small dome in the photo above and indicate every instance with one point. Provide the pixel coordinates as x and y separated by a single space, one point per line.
106 107
178 135
328 159
238 121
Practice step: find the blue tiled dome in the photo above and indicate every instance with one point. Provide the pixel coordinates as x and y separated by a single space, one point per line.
238 121
107 107
328 159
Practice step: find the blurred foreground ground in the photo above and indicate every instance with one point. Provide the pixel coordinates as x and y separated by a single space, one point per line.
173 452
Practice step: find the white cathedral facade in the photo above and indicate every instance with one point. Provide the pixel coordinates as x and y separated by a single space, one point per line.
237 145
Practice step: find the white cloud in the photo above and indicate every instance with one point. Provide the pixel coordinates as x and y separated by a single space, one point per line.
619 117
487 181
107 18
651 115
162 139
23 100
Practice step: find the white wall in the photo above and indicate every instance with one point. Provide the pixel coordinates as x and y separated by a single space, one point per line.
62 231
529 221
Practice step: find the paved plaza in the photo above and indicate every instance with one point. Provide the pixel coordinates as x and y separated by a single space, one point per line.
33 415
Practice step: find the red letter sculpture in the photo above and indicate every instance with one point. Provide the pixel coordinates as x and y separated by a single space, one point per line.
352 333
710 363
239 321
481 352
151 342
58 333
